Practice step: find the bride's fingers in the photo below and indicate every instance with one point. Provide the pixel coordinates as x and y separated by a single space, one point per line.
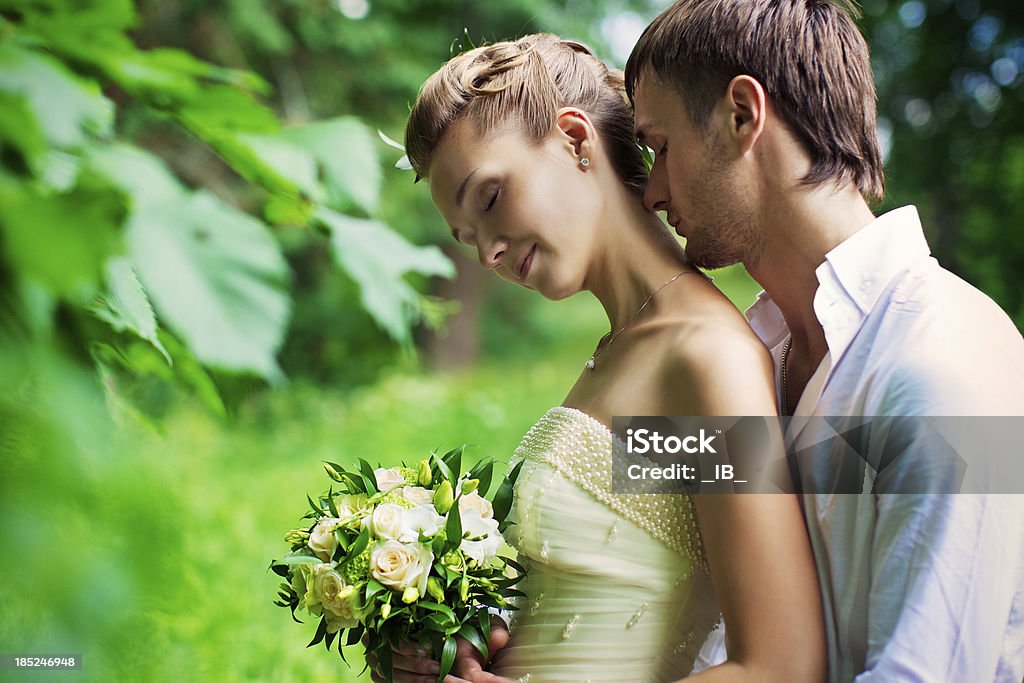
416 665
499 635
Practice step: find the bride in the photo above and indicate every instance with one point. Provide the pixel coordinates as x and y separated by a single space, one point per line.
531 156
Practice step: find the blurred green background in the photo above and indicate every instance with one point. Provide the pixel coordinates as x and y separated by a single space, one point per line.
212 277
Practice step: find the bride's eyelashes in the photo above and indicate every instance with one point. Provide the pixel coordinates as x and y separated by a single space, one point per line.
494 192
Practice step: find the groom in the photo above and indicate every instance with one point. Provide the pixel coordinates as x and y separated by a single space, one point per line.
761 114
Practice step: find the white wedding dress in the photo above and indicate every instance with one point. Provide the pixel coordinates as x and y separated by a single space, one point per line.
618 588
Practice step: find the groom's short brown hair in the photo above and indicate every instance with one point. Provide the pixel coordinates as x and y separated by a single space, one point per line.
808 55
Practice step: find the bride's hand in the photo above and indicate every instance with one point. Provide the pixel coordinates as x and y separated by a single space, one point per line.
469 663
409 665
412 665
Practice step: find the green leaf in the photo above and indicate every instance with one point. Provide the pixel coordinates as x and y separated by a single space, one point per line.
384 661
484 471
453 527
437 547
367 471
470 633
453 459
20 131
217 278
377 258
141 175
321 631
62 241
292 560
68 110
125 306
447 658
315 507
357 547
502 502
295 169
437 607
515 565
346 157
222 111
442 466
373 587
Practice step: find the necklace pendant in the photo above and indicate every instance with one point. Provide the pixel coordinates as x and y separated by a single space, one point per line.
590 365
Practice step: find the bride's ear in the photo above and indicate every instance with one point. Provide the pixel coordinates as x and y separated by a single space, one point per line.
577 134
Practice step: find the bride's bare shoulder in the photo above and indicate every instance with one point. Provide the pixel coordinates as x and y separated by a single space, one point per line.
725 367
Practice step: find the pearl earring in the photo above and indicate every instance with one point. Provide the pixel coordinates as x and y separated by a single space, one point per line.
584 162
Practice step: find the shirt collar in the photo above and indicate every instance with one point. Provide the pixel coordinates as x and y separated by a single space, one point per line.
851 279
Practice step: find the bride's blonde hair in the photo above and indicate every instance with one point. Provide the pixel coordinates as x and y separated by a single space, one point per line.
524 83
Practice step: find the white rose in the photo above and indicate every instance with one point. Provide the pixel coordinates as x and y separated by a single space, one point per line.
421 520
417 495
387 521
334 594
321 540
474 501
353 504
312 598
388 478
484 541
398 565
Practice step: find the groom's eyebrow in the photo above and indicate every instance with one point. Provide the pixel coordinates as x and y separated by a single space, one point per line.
461 194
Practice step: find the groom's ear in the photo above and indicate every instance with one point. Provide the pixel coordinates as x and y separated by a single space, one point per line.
747 107
577 133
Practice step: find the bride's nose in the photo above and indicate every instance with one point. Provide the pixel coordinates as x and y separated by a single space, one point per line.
491 251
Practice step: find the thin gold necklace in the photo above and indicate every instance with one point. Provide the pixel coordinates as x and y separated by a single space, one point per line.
592 361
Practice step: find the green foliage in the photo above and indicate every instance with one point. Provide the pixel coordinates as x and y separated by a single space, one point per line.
950 79
104 230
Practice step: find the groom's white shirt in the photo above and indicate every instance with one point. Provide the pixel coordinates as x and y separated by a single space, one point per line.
915 587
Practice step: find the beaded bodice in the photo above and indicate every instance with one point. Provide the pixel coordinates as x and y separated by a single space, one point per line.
617 588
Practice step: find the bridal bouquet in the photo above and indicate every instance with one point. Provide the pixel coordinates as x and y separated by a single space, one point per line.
402 554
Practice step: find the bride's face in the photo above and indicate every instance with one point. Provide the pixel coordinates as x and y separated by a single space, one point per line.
530 210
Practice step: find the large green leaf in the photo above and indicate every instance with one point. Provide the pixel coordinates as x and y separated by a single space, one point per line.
67 109
125 305
142 176
289 164
217 278
20 131
377 258
345 150
332 162
61 241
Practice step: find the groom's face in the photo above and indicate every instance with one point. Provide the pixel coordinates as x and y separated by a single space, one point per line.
693 180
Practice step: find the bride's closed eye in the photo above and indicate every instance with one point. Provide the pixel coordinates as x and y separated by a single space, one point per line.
493 197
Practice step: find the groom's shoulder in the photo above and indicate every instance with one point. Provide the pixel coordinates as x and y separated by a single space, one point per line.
928 297
938 340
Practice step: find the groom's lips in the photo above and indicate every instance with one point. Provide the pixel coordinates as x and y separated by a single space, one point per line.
524 263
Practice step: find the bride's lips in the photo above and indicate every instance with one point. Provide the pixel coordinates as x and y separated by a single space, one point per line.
524 263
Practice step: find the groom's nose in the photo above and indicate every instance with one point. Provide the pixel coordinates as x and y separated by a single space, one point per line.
656 196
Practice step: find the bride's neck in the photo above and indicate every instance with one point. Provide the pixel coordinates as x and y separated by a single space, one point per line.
638 256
